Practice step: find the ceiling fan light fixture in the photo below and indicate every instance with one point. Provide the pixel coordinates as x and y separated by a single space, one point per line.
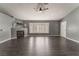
41 7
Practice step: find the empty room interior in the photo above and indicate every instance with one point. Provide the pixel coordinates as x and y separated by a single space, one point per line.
39 29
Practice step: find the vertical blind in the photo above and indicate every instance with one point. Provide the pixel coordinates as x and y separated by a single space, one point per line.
38 27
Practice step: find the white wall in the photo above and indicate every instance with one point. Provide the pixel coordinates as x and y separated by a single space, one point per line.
5 25
72 30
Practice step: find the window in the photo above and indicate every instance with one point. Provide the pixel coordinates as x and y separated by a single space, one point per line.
38 27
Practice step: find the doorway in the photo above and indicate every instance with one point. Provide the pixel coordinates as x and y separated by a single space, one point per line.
63 28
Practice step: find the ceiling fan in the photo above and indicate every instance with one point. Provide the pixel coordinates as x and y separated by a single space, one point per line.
40 7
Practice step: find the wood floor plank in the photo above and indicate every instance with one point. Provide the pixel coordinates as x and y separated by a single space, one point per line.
39 46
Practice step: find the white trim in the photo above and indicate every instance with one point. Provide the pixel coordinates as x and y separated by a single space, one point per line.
14 38
5 40
53 35
43 35
72 39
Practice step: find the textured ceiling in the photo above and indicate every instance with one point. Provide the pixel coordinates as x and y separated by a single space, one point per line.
25 11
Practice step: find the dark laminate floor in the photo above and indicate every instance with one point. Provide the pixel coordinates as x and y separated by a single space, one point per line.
39 46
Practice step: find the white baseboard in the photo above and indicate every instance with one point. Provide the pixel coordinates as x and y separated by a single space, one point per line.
14 38
43 35
5 40
72 39
53 35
